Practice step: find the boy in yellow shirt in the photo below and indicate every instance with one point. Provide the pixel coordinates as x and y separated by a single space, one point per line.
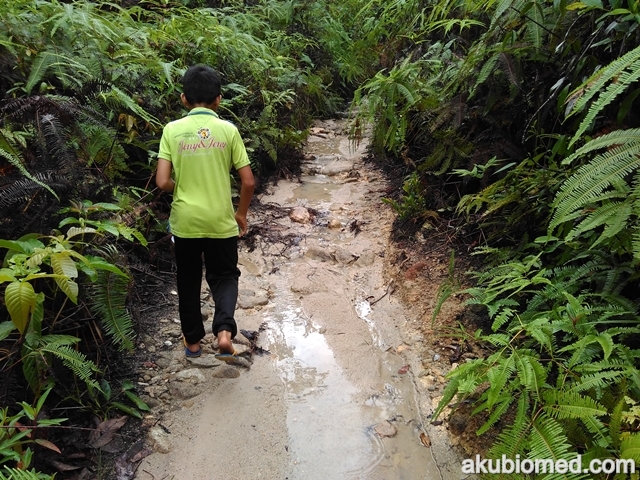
200 150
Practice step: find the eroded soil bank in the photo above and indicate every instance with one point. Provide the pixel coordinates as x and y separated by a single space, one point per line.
347 380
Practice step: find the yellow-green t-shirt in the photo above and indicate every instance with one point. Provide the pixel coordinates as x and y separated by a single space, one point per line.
202 149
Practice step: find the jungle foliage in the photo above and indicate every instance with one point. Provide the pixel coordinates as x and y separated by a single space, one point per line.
522 113
85 90
518 117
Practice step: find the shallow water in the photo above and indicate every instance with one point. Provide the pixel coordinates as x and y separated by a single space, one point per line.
332 419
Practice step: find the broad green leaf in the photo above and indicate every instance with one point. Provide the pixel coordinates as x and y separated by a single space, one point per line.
62 264
67 221
105 206
74 231
100 263
5 329
12 245
131 411
6 275
137 400
20 299
65 269
109 228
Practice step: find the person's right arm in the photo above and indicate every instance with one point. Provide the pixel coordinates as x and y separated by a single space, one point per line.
163 176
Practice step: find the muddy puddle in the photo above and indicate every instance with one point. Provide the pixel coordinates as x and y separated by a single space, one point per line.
340 427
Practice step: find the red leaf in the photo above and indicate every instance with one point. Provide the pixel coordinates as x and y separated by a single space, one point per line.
404 369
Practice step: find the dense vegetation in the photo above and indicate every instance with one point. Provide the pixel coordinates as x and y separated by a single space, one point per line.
513 121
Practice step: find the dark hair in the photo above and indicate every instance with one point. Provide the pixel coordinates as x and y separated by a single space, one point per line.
201 84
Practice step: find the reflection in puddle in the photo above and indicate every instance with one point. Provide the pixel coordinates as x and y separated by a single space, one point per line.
330 434
314 192
324 146
363 309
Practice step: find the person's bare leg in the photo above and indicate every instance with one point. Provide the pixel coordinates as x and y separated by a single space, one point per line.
224 342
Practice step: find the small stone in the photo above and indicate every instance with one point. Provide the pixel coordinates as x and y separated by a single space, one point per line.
386 429
334 223
159 440
226 371
319 253
192 374
300 215
168 343
205 361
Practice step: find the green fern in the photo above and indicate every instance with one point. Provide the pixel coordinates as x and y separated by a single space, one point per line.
15 161
108 301
14 474
38 352
67 69
617 76
605 170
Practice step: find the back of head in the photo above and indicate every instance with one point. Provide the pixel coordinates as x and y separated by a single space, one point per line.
201 84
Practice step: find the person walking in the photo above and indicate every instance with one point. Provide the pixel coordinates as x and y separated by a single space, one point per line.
195 159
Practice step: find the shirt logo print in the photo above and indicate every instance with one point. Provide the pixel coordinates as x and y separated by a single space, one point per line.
204 133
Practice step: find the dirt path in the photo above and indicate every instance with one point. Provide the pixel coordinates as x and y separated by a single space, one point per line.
344 392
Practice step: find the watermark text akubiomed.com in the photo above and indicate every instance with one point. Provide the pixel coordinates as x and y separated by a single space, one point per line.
544 465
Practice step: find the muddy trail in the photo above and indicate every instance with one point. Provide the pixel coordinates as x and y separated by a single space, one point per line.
342 381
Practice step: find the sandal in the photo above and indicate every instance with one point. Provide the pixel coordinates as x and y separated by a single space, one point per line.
188 353
227 357
233 359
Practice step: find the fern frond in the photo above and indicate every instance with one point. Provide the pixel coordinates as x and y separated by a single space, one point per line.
597 380
15 161
14 474
592 179
547 439
612 139
55 139
562 405
621 73
615 422
108 301
535 25
498 377
486 70
67 69
513 440
500 407
531 373
75 361
630 447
